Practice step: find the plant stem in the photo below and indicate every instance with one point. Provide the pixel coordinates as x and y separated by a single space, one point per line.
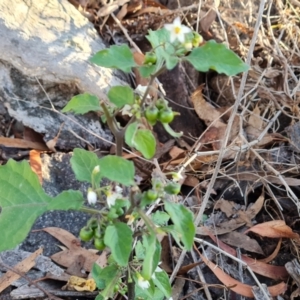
89 210
130 282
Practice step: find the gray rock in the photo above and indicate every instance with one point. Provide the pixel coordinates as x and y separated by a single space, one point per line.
44 60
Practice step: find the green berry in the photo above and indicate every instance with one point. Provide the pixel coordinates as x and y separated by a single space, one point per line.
166 115
152 195
151 114
99 244
173 188
161 104
86 234
150 58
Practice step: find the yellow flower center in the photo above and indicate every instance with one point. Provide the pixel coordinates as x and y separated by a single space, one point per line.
177 29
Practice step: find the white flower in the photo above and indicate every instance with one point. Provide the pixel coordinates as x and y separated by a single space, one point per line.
119 190
111 196
91 197
143 284
177 30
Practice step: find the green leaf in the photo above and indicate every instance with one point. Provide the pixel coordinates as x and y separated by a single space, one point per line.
183 222
164 50
160 218
66 200
104 276
130 133
144 141
153 293
161 280
121 95
82 104
152 256
117 169
118 237
83 163
216 57
96 275
22 200
116 57
145 294
147 70
139 251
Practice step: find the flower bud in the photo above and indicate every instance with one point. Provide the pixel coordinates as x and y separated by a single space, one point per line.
96 170
91 197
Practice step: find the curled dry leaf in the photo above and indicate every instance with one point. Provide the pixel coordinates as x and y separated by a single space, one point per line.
237 286
67 257
274 229
259 267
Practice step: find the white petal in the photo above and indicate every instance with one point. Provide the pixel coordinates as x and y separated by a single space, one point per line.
173 37
185 29
169 27
177 22
119 190
91 197
181 37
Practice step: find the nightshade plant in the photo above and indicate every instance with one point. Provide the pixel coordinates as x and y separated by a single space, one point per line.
122 225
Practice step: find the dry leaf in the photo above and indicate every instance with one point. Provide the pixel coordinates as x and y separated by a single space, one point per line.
67 257
237 286
254 209
259 267
22 267
255 120
241 240
23 144
36 163
227 207
80 284
274 229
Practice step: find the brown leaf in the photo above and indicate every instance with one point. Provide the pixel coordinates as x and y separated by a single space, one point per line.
236 286
259 267
241 240
184 269
226 227
191 181
208 19
254 209
67 257
227 207
19 143
36 163
255 120
205 110
22 267
274 229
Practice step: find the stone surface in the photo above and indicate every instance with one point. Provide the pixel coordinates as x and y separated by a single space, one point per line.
44 60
